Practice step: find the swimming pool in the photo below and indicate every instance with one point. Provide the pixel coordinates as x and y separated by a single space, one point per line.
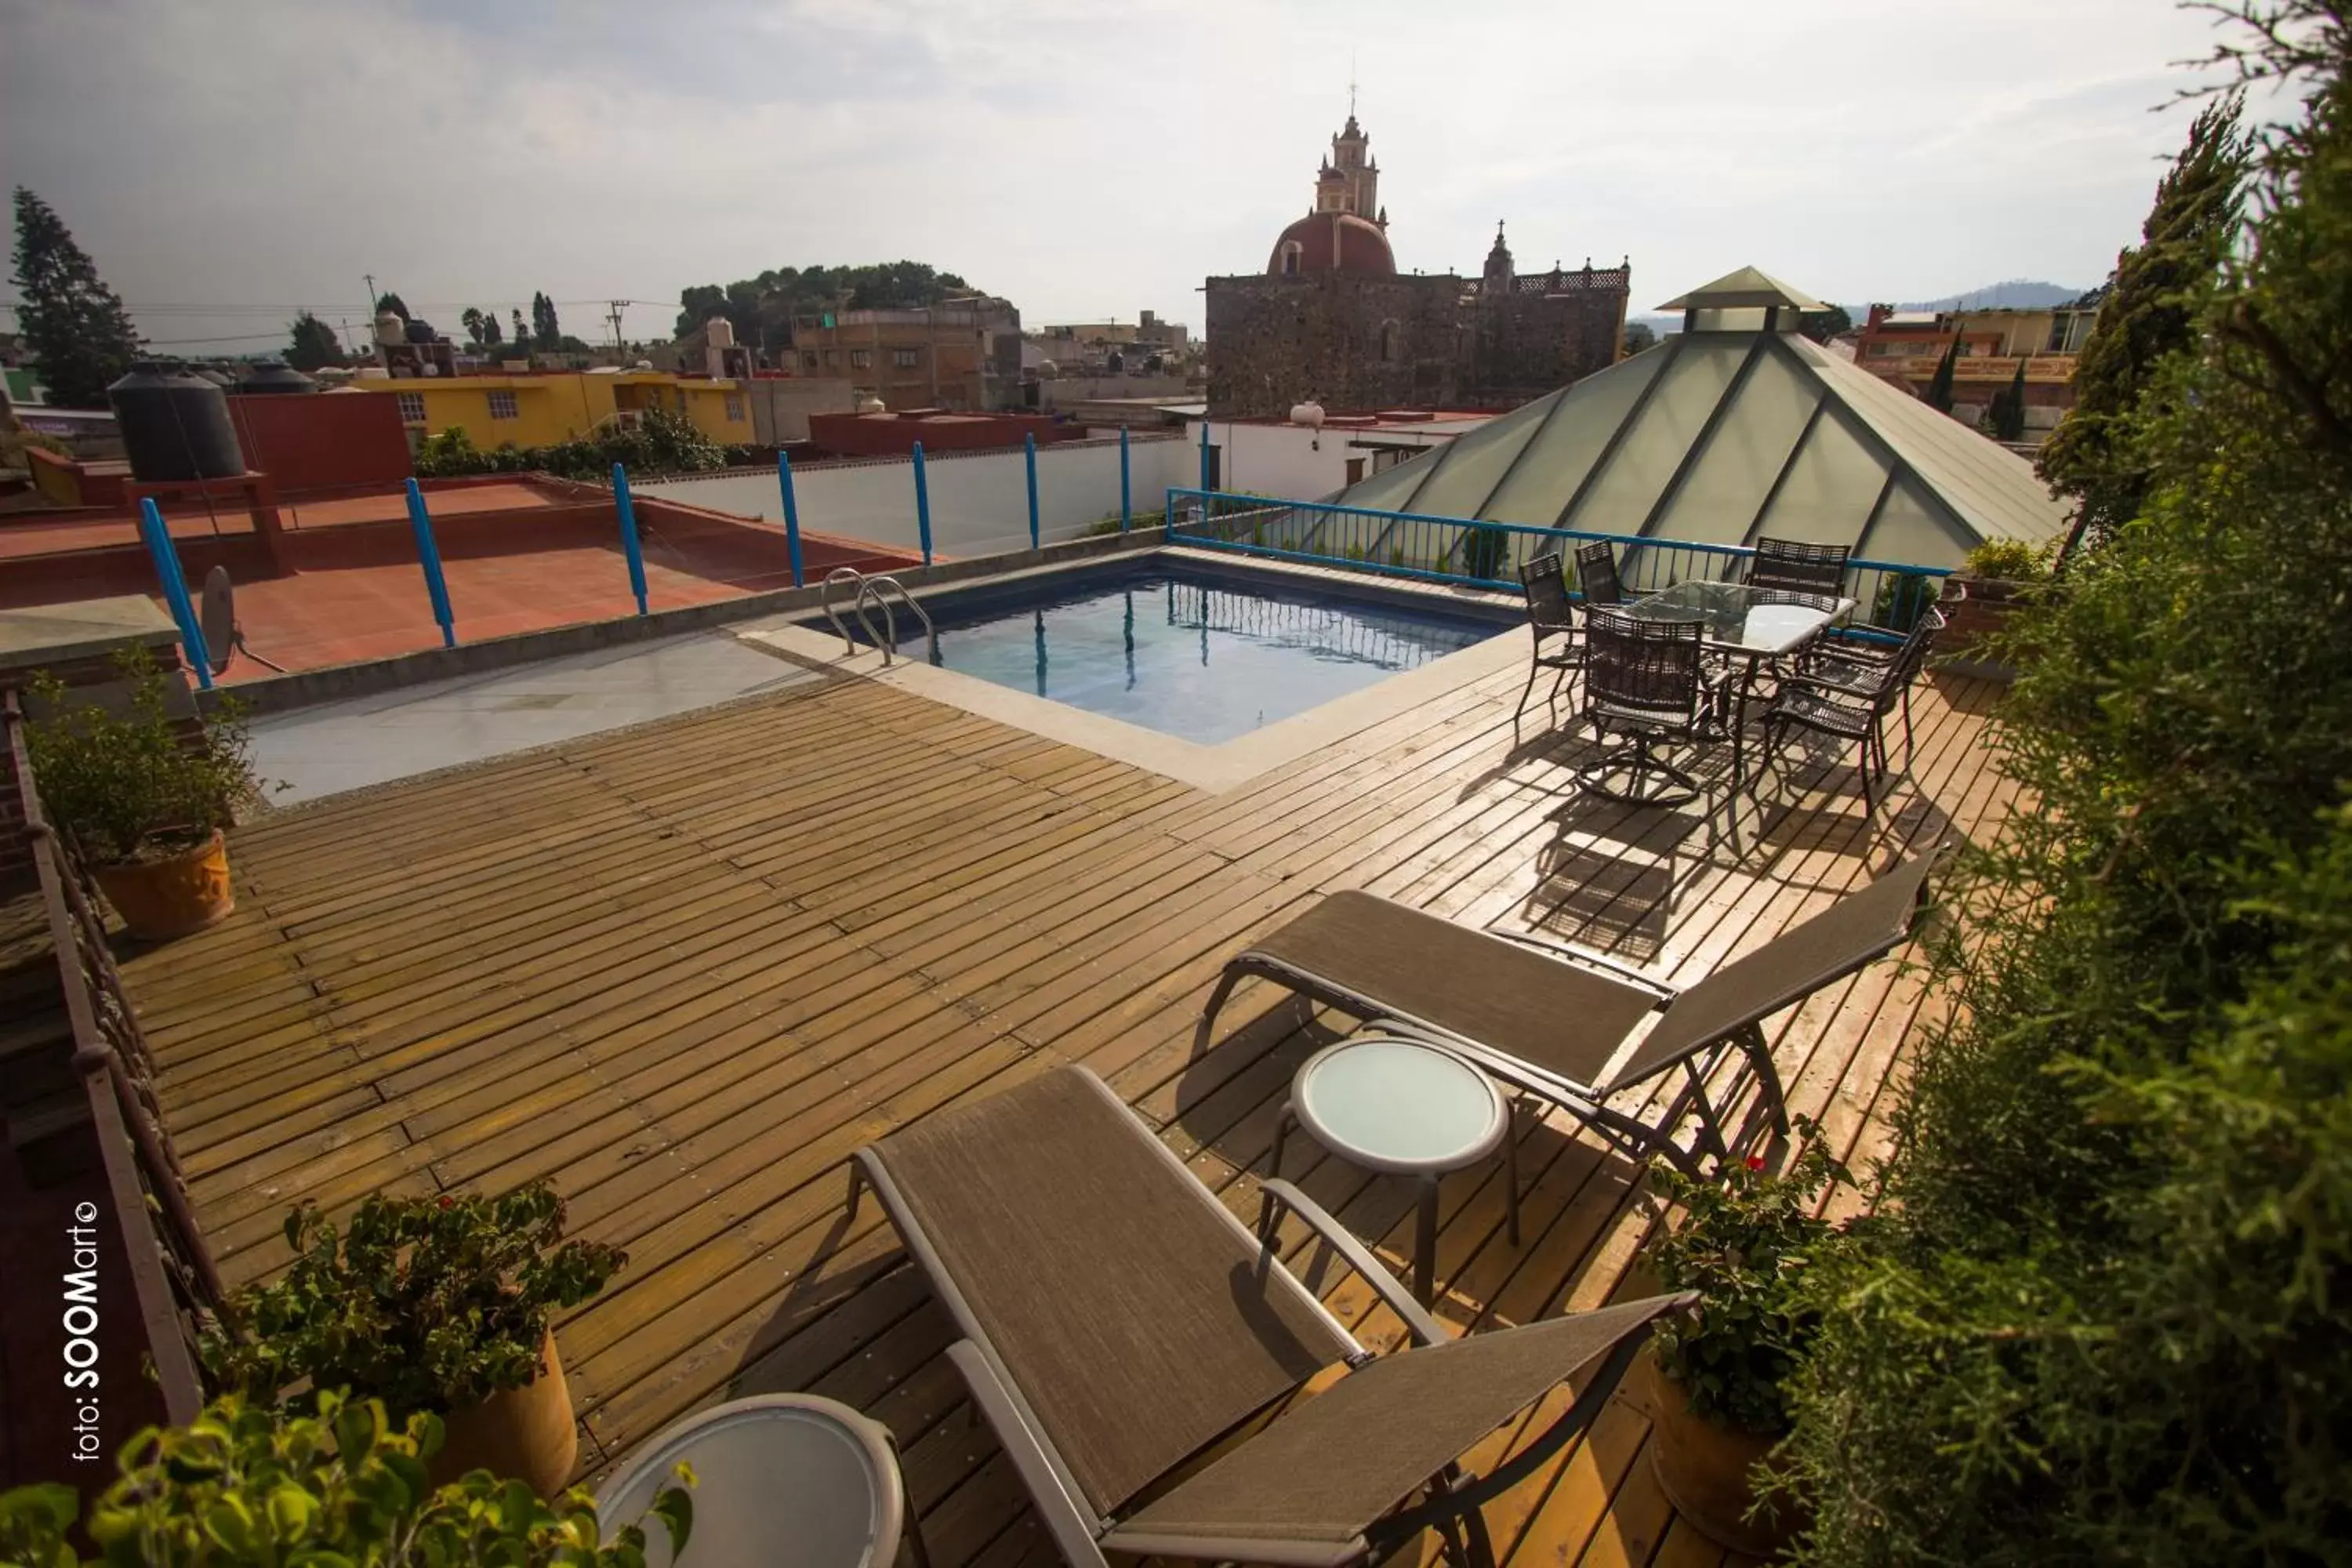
1187 650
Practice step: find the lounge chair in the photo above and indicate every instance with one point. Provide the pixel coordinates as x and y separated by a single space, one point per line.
1118 1320
1557 1030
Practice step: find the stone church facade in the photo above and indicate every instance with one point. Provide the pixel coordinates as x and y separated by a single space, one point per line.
1331 320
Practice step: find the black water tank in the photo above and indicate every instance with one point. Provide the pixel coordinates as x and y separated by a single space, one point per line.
174 424
275 375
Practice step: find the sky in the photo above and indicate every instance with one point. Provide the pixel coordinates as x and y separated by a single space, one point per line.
227 162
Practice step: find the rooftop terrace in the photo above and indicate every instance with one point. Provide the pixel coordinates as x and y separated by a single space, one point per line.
685 970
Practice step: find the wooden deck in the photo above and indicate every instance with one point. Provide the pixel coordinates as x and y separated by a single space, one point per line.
684 971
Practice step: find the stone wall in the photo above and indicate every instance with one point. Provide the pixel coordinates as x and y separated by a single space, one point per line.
1352 342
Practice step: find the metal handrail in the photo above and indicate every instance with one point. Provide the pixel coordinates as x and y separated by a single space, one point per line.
857 579
171 1271
875 585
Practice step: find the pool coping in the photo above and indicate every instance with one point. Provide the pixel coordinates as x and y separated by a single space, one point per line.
1215 770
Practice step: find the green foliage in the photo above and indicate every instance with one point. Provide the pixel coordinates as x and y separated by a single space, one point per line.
762 308
1638 337
546 328
1745 1245
2104 1319
427 1303
1939 385
1822 325
121 778
482 328
2150 314
1483 554
14 444
2004 416
2008 561
75 327
243 1486
663 442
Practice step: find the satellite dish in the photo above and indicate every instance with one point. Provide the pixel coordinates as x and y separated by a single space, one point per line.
224 638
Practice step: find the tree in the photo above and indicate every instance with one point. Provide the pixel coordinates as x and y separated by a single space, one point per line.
546 332
522 333
392 302
1638 336
1939 385
2008 410
471 320
2150 315
490 332
76 328
761 308
314 343
1822 325
2099 1314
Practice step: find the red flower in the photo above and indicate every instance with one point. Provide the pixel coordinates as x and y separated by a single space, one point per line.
1755 1163
448 1202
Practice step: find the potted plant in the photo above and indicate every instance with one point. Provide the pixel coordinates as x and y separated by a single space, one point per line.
1995 577
244 1484
144 796
1716 1374
435 1304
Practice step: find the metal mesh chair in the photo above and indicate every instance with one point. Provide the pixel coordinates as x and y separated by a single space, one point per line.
1596 574
1850 701
1647 682
1793 568
1559 642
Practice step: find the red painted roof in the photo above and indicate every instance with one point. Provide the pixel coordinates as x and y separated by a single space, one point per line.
1340 242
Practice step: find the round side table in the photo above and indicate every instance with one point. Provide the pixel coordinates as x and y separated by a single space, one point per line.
782 1478
1403 1108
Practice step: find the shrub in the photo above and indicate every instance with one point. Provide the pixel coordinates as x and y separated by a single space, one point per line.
242 1484
1744 1246
2009 561
428 1303
120 782
2104 1318
663 442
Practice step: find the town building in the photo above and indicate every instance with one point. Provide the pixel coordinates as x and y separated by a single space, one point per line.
1314 456
1331 320
1905 347
963 355
526 408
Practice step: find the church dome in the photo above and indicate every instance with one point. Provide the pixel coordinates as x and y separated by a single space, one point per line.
1332 242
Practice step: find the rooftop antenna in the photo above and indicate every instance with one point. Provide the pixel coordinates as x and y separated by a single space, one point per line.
1352 84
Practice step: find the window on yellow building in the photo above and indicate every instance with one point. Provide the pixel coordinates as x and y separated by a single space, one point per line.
861 359
411 406
904 359
734 411
502 406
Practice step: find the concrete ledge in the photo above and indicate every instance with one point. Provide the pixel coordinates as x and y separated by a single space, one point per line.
280 693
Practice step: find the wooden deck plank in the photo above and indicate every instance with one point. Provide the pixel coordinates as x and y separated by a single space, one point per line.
683 969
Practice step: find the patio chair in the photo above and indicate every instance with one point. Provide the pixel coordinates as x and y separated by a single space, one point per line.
1550 615
1848 697
1793 568
1647 682
1116 1319
1596 574
1555 1029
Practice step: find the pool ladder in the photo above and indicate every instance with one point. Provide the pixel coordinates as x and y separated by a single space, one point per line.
879 590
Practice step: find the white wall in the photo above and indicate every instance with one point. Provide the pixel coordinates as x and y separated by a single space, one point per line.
980 501
1295 462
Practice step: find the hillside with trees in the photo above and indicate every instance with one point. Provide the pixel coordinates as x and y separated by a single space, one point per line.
761 308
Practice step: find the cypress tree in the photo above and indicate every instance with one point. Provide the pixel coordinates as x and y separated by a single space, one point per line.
2008 408
74 325
1939 386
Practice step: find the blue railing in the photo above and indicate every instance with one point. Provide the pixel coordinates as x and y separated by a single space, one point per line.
1889 595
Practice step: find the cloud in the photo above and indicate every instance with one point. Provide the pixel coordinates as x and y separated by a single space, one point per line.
228 161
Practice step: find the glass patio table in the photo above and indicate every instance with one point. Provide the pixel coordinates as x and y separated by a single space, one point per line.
1752 627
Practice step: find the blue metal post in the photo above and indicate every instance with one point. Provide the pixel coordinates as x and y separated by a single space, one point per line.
792 513
1029 443
922 504
428 555
1126 505
1204 456
628 515
175 589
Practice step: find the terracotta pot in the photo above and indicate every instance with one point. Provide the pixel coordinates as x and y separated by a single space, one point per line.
526 1432
1703 1467
158 899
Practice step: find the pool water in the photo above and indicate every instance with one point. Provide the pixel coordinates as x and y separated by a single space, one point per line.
1203 654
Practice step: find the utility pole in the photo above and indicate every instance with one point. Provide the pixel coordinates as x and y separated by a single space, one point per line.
614 315
372 296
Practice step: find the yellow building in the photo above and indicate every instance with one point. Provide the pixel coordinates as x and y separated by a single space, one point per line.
539 410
